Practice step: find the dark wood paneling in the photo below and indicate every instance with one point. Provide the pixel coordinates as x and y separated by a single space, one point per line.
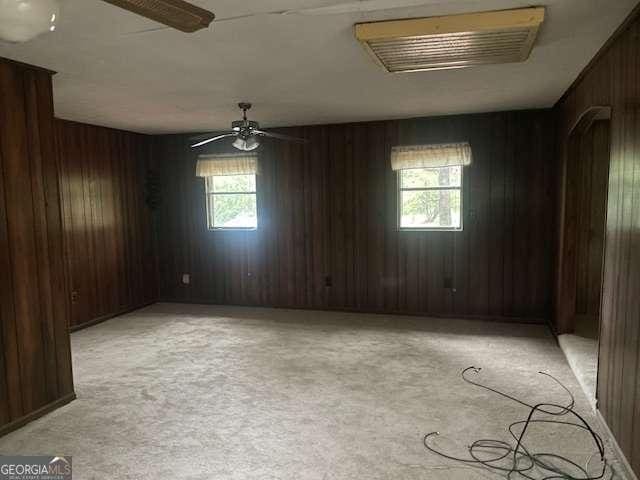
614 79
35 368
107 224
328 213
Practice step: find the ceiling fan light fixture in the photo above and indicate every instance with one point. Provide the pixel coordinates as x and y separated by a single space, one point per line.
24 20
246 133
246 144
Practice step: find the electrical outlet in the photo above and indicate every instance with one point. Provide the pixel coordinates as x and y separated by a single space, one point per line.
74 296
186 279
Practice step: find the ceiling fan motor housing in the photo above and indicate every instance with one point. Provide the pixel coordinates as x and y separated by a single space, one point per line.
244 126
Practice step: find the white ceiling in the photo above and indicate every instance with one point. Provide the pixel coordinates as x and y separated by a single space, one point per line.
296 69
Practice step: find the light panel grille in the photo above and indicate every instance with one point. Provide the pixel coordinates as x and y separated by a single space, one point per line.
452 42
177 14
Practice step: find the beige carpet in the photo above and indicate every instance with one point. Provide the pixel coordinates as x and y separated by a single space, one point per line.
200 392
582 355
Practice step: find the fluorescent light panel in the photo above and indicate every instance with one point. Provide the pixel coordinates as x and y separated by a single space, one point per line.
453 41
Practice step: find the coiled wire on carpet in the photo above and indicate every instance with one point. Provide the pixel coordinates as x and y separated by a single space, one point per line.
518 461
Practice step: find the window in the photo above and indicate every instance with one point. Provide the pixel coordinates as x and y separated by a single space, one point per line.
430 185
430 198
230 185
231 202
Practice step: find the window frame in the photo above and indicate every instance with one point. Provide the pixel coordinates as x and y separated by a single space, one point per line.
399 226
211 204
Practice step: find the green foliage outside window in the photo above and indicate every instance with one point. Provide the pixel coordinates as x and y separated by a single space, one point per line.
430 198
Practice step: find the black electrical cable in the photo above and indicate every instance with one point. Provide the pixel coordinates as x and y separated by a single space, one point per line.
561 475
561 411
493 454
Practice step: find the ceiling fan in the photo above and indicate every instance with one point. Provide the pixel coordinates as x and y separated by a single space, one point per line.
178 14
247 133
189 18
23 20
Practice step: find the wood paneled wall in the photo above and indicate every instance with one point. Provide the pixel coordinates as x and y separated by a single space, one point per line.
107 224
35 364
327 212
614 79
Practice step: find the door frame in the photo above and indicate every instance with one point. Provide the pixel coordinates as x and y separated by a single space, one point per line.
566 280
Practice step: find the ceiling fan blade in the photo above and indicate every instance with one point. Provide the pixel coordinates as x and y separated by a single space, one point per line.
206 135
177 14
279 136
361 6
214 139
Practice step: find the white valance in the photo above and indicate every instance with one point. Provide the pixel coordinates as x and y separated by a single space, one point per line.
429 156
227 164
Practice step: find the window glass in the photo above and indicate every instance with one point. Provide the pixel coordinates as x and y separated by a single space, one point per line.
430 198
233 183
232 202
431 177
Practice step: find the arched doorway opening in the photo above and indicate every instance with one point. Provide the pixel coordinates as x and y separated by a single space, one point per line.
582 245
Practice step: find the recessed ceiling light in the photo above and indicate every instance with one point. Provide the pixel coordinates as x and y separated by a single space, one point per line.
453 41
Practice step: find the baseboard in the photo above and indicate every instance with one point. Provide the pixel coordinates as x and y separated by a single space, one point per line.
489 318
30 417
591 396
109 316
623 464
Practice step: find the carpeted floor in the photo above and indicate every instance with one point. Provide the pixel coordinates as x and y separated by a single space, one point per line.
582 355
202 392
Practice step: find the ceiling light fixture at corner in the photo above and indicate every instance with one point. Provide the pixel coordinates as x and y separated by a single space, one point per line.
23 20
246 144
453 41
